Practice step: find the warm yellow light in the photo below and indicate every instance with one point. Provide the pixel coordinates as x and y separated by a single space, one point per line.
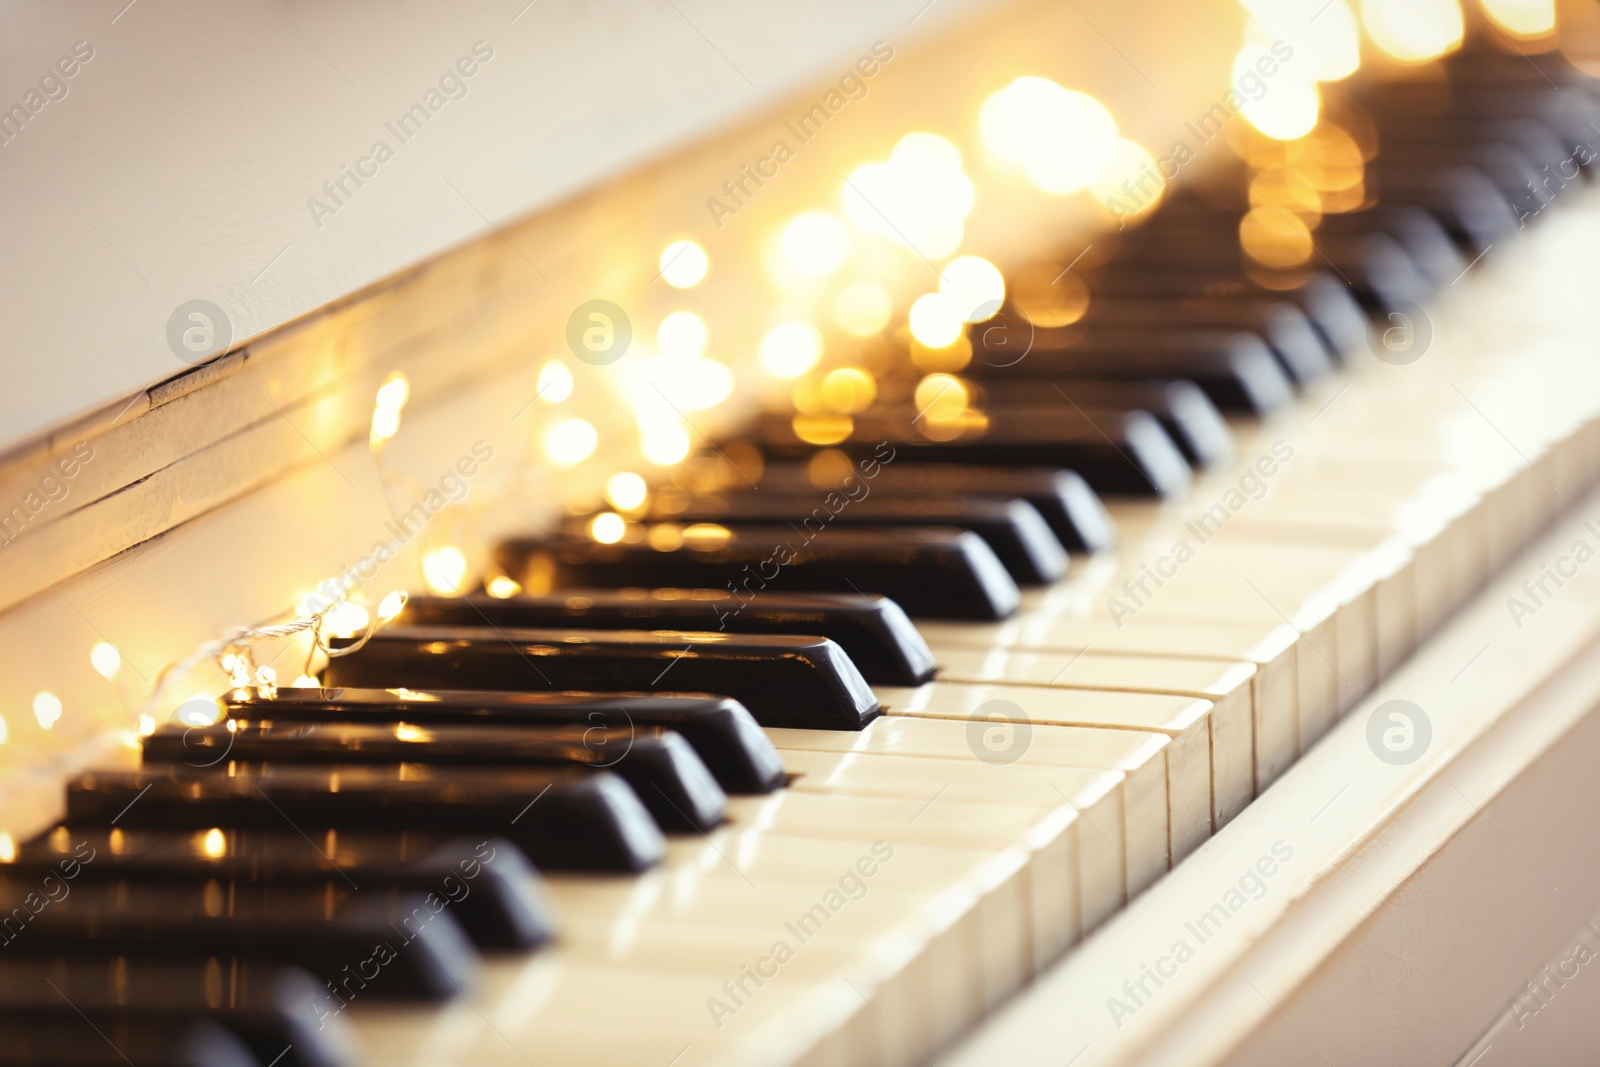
146 725
105 659
8 848
1060 136
665 537
345 620
502 588
386 408
683 264
444 569
937 319
939 395
1320 42
214 844
682 333
950 358
607 527
919 197
815 243
555 382
690 383
5 731
393 604
626 491
789 350
1414 31
410 732
664 443
862 309
848 390
570 442
1524 18
976 286
1288 109
1275 238
823 429
47 709
304 681
706 535
1130 183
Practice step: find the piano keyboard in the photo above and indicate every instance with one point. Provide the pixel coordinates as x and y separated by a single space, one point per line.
783 776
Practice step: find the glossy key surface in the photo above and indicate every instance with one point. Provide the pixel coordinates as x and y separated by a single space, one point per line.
782 679
874 631
721 730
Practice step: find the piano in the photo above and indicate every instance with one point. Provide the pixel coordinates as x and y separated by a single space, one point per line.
984 533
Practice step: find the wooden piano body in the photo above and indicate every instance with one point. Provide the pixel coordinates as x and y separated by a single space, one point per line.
1409 904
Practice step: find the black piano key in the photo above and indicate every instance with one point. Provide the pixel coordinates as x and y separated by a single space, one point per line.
1237 370
562 819
663 770
874 631
413 945
1123 453
1069 506
1012 527
722 731
282 1014
1470 206
1299 346
941 574
1419 234
1193 422
58 1040
493 890
785 680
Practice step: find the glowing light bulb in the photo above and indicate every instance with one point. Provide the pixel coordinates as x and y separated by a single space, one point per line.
1130 183
444 569
502 588
1320 42
918 197
555 382
386 408
570 442
815 243
1060 136
937 319
46 709
682 333
607 527
392 604
862 309
683 264
692 383
105 659
346 620
1290 110
1274 238
664 443
626 491
976 286
1414 31
1523 18
789 350
214 844
848 390
939 395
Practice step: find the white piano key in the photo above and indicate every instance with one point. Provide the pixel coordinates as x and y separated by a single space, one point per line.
1140 756
1184 721
1275 653
1227 686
